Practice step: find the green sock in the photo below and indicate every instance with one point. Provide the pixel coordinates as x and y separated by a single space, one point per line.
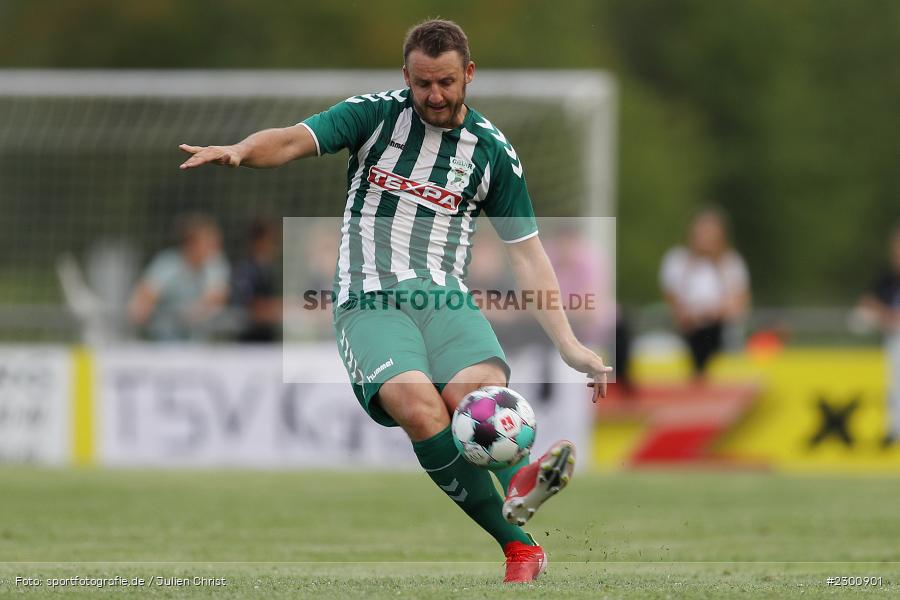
504 476
469 486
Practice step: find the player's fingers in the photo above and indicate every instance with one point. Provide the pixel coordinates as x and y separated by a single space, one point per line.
599 391
595 392
190 149
600 383
194 161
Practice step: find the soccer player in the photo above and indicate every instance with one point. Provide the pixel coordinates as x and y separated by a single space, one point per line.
422 166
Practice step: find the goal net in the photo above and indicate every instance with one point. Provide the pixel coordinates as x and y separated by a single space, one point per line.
90 184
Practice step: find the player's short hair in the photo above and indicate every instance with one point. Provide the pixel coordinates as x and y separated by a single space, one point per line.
436 36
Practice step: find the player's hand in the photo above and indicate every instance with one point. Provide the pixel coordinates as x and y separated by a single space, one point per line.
219 155
584 360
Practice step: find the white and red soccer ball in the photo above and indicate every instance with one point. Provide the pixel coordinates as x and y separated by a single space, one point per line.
493 427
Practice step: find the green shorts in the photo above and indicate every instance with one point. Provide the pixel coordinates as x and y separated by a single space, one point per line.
415 325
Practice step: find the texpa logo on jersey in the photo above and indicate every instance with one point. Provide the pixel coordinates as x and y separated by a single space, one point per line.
427 194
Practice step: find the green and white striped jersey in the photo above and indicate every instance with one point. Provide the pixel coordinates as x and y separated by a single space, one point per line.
414 191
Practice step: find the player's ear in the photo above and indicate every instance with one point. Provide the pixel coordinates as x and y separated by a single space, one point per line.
470 72
406 76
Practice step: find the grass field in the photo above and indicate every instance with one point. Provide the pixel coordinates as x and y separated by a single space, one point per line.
376 535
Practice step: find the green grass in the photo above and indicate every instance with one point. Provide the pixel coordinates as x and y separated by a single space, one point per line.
377 535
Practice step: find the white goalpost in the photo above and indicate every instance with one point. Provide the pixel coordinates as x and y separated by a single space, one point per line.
89 166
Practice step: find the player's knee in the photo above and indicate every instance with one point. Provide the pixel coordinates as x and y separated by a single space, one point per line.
422 424
424 420
472 378
417 408
453 394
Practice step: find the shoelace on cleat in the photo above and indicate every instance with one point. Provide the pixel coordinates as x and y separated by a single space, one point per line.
522 556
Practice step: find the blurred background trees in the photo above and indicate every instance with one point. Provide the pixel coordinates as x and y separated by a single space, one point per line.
783 113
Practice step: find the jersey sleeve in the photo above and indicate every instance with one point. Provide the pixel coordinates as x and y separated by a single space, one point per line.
508 204
345 125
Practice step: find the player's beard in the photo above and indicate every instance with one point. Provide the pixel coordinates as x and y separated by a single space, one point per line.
437 119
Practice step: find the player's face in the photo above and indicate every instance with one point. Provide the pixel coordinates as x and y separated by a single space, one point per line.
438 86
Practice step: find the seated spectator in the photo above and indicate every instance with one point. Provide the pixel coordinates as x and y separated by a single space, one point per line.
183 288
706 285
255 287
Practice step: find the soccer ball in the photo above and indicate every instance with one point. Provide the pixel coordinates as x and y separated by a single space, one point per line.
493 427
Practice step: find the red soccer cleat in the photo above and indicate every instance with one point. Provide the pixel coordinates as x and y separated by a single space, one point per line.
535 483
523 563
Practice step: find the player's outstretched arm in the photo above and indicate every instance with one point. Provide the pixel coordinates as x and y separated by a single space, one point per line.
262 150
534 272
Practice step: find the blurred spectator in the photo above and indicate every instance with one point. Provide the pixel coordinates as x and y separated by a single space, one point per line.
624 383
489 273
322 241
706 285
183 288
882 303
322 244
255 284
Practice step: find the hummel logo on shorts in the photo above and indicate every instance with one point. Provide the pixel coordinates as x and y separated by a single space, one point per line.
389 363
